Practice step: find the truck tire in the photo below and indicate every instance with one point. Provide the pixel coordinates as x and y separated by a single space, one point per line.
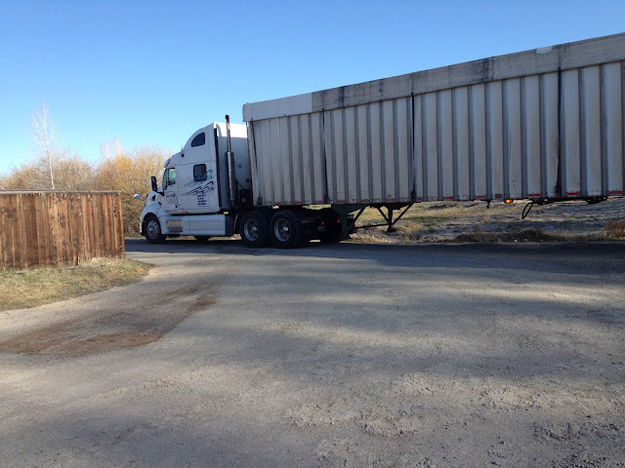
152 229
334 229
254 229
286 229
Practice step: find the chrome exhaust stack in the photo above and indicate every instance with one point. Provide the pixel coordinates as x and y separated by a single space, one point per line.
232 178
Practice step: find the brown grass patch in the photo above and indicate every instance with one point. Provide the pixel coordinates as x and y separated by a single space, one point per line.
32 287
615 229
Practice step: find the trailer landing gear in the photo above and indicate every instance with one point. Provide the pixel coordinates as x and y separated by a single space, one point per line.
388 216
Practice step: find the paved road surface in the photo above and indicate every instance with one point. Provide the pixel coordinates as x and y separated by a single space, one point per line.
328 355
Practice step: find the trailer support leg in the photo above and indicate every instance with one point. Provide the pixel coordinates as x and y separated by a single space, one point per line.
390 222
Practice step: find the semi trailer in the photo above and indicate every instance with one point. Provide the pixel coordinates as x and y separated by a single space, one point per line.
544 125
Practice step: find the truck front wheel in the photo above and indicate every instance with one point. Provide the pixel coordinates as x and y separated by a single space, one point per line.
286 229
152 229
254 229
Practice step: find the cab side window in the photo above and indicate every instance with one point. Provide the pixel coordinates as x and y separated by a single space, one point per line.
169 177
199 172
199 139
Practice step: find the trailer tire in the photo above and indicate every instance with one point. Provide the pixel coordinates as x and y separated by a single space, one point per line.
152 229
254 229
286 229
334 230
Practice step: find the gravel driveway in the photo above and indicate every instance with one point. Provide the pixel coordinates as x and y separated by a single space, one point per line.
352 354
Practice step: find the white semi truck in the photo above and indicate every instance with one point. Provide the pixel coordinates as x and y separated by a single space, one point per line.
544 125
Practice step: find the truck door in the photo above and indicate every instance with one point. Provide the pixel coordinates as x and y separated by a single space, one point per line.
170 191
197 178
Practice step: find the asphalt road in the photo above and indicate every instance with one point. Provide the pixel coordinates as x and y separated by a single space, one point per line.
352 354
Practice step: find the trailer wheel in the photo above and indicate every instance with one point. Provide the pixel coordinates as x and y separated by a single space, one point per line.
152 229
286 229
254 229
334 230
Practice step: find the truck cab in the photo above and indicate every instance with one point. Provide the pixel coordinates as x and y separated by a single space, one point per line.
202 186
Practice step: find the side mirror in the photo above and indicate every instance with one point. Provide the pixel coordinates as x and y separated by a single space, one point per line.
136 196
154 185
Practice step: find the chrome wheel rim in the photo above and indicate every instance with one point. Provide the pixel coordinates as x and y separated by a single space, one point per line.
153 229
282 230
251 228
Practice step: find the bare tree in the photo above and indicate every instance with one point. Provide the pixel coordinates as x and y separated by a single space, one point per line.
110 149
128 172
45 137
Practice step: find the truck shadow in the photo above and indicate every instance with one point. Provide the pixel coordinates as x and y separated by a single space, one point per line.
563 257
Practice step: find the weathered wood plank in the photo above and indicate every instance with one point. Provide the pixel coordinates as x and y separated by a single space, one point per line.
107 219
16 258
87 236
75 226
29 223
44 248
119 227
5 239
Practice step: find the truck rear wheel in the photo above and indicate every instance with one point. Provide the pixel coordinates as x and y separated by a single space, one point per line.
286 229
254 229
152 229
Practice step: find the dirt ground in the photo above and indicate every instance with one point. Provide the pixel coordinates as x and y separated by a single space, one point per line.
354 354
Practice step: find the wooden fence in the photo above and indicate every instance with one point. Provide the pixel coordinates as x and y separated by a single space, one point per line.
49 228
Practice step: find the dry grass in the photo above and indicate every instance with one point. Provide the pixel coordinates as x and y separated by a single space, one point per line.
36 286
615 229
473 222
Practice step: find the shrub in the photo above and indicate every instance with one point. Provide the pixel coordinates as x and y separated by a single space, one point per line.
615 229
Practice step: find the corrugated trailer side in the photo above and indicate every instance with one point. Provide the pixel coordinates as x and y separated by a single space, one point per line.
542 124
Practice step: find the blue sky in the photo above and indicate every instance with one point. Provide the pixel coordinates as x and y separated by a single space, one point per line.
151 73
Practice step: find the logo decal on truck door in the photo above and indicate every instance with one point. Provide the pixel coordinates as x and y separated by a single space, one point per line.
200 190
209 186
